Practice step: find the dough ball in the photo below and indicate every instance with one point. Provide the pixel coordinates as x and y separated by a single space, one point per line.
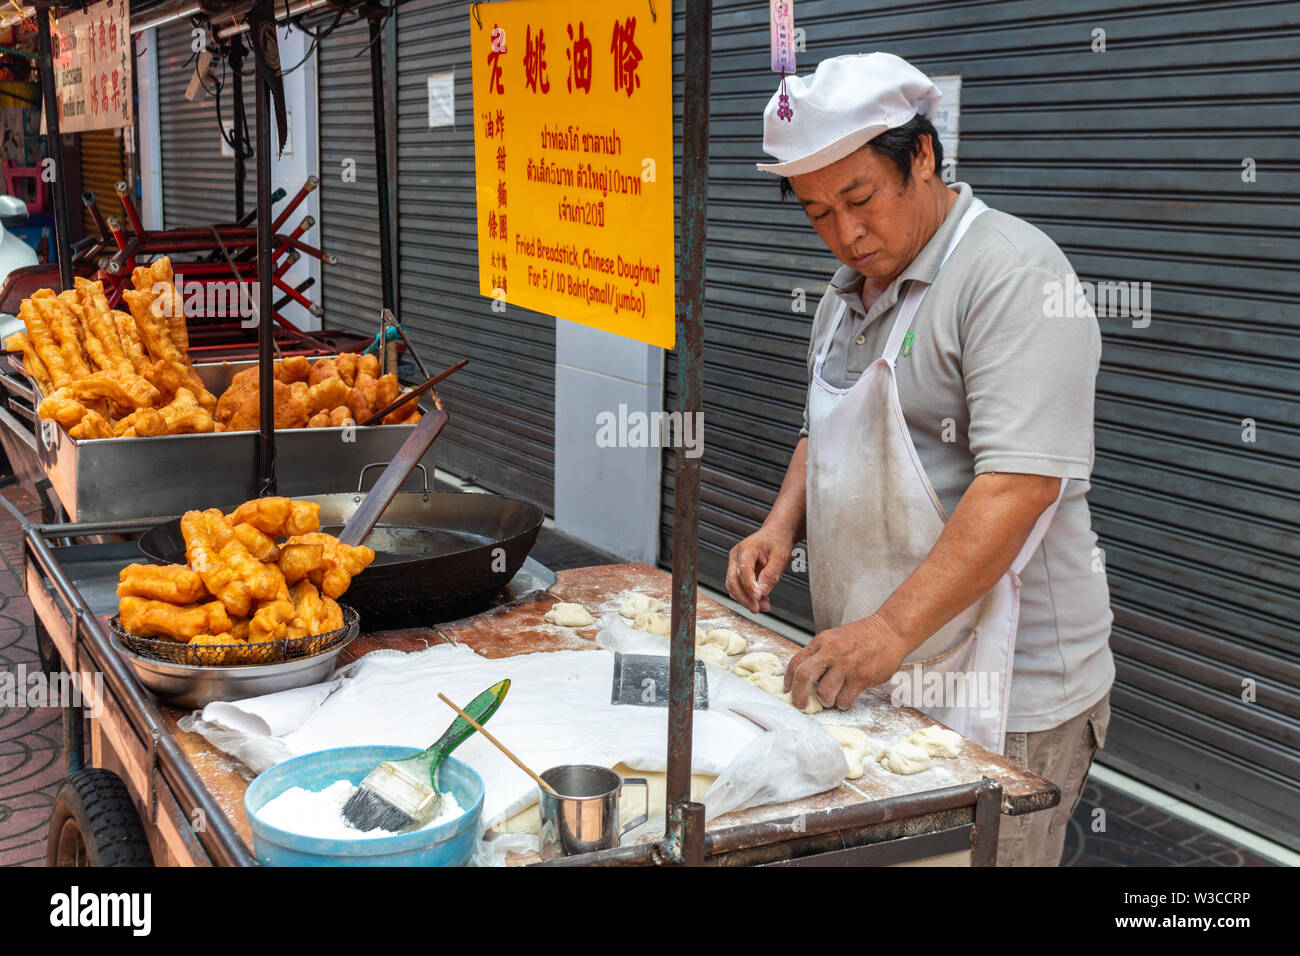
638 603
903 757
760 662
711 655
570 615
768 683
774 684
855 746
652 623
724 638
850 738
937 741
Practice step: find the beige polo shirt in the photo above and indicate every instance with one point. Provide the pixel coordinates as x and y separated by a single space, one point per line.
996 380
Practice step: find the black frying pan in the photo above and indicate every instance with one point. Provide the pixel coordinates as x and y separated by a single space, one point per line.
438 555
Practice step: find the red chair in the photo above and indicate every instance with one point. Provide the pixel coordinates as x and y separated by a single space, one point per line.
14 175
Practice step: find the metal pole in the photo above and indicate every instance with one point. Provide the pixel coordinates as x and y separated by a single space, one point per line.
237 130
381 160
682 833
265 288
54 148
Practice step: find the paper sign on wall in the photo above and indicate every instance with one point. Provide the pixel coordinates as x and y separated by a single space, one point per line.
92 67
573 159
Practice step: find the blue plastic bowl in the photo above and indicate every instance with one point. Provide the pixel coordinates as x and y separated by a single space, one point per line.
448 844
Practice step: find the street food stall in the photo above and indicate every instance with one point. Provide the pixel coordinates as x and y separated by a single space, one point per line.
253 601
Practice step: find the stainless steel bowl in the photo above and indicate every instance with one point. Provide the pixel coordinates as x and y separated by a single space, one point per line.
188 686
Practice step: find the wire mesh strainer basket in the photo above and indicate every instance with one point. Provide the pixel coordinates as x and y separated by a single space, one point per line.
235 655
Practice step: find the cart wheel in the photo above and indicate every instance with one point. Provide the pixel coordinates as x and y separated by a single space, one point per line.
94 823
51 662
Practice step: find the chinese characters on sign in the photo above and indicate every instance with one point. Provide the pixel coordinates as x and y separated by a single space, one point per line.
92 67
573 157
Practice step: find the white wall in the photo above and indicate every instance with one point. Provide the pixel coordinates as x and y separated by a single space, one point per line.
608 497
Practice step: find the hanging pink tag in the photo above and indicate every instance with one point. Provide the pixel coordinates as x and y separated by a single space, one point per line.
782 17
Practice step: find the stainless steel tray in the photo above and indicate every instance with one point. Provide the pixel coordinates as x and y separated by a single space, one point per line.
110 479
189 686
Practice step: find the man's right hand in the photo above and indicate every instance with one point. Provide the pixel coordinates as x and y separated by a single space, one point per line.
755 565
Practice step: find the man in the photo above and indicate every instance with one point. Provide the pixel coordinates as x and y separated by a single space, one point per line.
941 473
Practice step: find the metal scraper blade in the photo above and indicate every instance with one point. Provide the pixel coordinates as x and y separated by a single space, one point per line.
642 681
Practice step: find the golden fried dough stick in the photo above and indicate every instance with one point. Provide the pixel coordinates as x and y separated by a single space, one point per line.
241 386
185 416
173 583
319 420
259 544
153 329
368 365
239 628
125 393
299 391
271 621
226 638
289 411
407 414
62 408
92 425
327 394
341 416
298 560
101 329
295 368
279 516
63 323
346 365
264 580
386 390
323 369
129 336
222 580
142 423
339 565
43 343
316 614
147 618
32 364
362 397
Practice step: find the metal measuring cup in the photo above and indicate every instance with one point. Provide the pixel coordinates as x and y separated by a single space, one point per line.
582 814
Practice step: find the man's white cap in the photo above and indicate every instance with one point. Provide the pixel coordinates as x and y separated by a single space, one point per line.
846 102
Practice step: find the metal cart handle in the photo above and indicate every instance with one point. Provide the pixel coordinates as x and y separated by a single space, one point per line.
361 478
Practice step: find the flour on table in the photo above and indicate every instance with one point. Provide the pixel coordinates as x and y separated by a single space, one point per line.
570 615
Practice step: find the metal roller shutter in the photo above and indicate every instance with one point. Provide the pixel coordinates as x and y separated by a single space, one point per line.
198 182
351 294
502 405
1131 160
103 165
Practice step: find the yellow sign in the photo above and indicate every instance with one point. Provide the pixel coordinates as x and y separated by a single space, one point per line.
573 161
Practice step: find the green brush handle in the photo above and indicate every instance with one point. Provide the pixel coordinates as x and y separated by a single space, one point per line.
480 708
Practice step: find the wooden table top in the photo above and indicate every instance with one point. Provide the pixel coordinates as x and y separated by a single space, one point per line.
522 629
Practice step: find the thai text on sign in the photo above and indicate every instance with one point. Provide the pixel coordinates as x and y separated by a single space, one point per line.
92 67
573 160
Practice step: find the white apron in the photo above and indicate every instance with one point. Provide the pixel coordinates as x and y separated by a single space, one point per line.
873 516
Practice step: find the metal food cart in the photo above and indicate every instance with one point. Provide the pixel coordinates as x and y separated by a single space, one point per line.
188 797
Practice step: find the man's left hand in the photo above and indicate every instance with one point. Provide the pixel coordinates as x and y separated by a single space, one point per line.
841 662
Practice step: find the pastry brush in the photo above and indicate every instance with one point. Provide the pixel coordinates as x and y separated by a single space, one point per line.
400 795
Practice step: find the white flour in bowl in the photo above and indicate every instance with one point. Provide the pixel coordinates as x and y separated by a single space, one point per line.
319 813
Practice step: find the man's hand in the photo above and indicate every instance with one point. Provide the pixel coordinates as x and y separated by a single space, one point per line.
841 662
756 564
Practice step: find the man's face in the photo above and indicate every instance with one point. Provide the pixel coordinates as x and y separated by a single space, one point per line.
865 215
